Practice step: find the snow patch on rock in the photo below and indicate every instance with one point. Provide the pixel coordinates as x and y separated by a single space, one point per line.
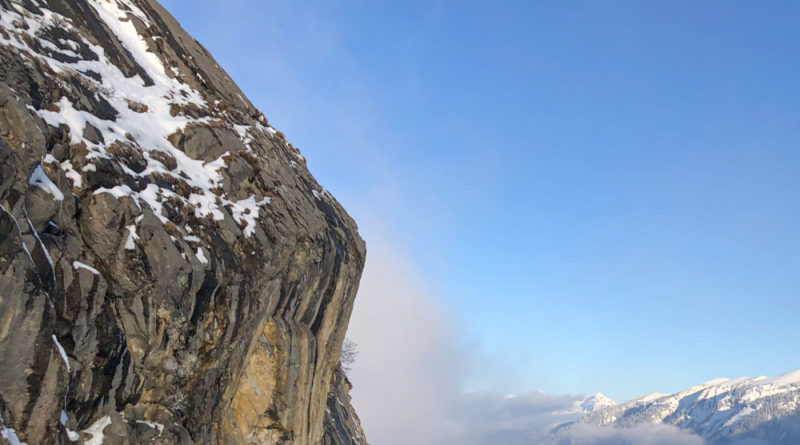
61 352
147 129
78 265
96 430
39 179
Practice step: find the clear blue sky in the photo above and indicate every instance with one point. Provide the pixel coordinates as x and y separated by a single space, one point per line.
606 193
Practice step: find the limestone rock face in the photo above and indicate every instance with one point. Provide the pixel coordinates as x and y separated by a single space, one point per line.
342 426
170 272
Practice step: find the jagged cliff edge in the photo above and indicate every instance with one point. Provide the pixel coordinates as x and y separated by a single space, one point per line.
170 272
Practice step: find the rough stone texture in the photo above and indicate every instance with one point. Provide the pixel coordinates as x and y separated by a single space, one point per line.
342 426
178 326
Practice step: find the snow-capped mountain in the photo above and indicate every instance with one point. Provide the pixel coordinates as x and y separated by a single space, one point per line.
760 409
596 402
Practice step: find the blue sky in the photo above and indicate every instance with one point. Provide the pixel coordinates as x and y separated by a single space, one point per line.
605 195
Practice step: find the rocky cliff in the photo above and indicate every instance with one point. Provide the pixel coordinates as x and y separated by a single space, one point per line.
342 425
170 272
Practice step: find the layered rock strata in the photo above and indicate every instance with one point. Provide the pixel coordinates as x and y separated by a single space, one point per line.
170 272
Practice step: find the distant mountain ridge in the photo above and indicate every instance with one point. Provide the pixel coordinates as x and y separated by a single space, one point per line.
752 410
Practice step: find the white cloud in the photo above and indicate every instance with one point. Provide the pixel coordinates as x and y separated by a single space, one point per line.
646 434
408 375
489 418
407 379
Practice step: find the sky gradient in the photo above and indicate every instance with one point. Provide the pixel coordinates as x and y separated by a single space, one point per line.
601 196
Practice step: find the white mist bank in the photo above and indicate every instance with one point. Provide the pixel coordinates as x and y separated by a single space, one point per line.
411 368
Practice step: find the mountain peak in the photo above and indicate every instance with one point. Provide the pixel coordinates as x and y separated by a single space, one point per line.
595 402
717 410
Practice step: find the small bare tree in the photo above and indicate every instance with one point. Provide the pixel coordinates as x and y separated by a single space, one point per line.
349 354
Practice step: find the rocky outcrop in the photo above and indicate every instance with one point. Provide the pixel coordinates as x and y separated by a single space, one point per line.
170 272
342 426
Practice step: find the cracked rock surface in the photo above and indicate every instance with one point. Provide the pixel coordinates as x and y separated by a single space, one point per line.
170 272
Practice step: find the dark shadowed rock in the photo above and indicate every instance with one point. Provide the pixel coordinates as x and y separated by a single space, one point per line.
342 426
208 143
